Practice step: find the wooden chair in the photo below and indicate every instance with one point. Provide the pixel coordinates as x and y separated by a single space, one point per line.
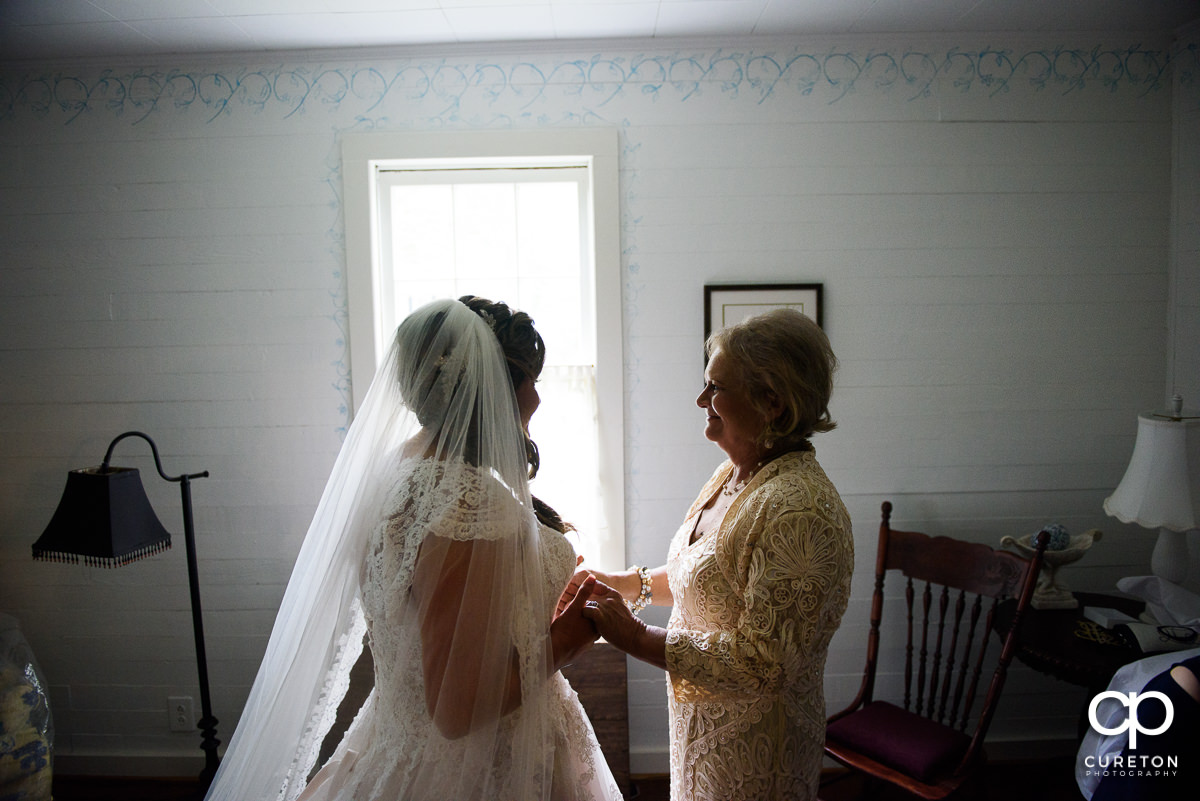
924 747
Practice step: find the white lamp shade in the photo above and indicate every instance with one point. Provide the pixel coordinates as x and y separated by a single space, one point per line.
1161 488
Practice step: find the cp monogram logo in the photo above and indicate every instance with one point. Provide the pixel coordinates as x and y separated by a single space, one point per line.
1131 722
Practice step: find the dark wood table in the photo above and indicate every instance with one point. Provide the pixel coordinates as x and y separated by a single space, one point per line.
1064 644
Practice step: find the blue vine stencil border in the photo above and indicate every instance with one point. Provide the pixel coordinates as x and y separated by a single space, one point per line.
577 91
594 81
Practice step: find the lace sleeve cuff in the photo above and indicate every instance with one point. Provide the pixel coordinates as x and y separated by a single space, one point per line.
707 666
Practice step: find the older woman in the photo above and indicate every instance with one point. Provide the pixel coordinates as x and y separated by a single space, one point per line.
758 575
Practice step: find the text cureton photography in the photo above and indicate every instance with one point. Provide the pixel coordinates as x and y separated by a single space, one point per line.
1141 738
1132 765
1126 721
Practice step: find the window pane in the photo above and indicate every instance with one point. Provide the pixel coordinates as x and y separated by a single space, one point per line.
422 232
485 235
551 268
411 295
562 429
554 306
548 231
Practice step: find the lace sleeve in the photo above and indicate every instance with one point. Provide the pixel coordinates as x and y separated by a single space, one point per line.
794 593
455 501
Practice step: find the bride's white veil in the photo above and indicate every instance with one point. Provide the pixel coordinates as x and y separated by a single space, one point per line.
464 594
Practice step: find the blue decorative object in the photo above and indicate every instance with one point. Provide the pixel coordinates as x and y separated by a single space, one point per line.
1059 538
26 728
1061 550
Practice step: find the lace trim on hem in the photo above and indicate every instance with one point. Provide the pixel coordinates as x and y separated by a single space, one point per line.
337 682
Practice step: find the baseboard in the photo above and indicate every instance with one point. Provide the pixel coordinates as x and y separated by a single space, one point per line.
1013 752
158 766
649 761
642 762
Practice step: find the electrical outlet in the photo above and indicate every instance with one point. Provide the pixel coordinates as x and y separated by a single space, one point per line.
183 713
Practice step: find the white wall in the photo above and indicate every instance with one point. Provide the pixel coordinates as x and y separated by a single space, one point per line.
992 221
1184 356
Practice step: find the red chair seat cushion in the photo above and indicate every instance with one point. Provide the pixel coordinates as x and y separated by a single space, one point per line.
902 740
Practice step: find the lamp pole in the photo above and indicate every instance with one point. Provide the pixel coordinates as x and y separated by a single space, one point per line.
208 723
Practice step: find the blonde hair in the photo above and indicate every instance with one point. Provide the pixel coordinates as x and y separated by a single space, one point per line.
784 355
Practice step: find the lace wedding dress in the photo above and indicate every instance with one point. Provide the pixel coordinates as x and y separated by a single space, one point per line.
757 600
393 745
426 538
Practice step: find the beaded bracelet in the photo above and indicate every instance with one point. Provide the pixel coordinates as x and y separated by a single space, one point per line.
644 595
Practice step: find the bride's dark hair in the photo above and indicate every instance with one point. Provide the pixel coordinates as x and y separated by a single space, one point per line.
525 352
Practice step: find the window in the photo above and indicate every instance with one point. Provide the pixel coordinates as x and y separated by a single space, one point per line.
519 235
528 218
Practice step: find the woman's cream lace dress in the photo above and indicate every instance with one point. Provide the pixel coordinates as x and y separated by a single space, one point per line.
393 751
757 600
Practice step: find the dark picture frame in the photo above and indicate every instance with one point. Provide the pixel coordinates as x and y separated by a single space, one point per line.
726 304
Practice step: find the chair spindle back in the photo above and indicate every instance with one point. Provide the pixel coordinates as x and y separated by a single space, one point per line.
951 592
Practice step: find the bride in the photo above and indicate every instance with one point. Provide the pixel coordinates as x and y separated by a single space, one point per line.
427 538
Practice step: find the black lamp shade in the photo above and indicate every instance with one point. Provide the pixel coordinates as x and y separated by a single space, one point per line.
105 517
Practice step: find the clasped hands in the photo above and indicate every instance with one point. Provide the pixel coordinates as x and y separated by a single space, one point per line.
587 610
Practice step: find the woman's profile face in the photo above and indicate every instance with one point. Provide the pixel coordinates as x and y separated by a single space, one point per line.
528 401
732 421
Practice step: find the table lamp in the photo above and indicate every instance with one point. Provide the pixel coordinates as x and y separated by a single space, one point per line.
105 517
1161 487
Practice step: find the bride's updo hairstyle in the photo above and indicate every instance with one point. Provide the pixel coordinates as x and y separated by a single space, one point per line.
425 391
523 347
525 352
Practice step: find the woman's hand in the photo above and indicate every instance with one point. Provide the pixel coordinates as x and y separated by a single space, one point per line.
571 633
612 618
572 588
627 583
607 610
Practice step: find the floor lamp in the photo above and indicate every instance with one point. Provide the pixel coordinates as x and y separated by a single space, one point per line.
105 517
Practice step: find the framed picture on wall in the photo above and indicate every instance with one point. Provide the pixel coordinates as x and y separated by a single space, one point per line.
726 304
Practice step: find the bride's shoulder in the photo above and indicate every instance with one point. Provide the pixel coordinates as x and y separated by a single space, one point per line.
449 474
454 499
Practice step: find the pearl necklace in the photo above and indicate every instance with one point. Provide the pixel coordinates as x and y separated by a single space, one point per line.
729 490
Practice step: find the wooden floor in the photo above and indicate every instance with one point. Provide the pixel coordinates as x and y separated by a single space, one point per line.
1050 780
97 788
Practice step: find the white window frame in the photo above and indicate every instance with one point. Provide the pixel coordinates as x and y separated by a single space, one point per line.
363 154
